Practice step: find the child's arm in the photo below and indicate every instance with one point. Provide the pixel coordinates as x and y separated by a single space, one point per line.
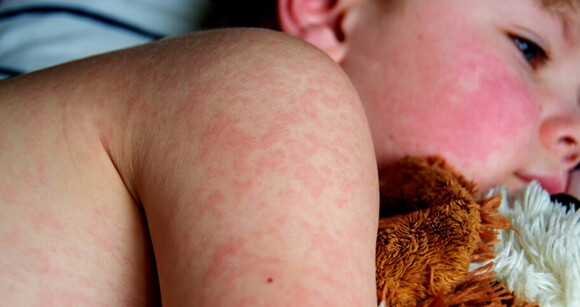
255 167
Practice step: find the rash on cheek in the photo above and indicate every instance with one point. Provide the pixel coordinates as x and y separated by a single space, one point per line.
483 107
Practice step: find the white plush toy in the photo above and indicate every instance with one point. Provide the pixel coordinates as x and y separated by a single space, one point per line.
540 258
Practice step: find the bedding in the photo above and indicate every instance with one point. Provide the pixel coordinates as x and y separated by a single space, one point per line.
39 33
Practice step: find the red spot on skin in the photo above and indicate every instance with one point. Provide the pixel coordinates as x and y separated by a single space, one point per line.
227 269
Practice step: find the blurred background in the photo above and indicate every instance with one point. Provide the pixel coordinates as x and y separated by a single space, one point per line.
35 34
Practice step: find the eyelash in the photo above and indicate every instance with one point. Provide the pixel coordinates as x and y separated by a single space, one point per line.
533 54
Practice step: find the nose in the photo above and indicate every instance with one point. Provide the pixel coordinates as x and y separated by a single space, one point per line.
561 136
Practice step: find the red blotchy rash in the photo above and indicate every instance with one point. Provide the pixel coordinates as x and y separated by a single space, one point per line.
211 203
312 180
282 122
39 260
221 136
309 109
12 237
341 202
101 212
62 297
226 146
335 240
330 144
274 161
233 262
350 186
480 87
298 289
35 174
105 243
243 186
290 195
43 221
330 97
248 301
9 194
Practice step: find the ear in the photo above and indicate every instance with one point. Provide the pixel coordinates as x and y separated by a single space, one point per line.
319 22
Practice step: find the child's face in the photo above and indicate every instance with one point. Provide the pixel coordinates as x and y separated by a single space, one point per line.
448 77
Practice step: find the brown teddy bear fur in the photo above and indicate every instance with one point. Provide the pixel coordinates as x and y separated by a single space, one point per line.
431 228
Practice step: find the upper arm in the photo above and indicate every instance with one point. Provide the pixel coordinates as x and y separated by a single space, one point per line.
258 177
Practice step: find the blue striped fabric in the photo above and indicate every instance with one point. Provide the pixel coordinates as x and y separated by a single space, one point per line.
6 72
78 13
37 34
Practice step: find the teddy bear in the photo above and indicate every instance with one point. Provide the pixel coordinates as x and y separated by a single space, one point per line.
435 239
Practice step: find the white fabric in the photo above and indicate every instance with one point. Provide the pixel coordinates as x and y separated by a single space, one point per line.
542 262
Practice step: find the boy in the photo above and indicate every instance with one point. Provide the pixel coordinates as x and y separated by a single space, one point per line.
246 161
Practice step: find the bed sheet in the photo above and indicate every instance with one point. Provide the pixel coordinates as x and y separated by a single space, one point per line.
35 34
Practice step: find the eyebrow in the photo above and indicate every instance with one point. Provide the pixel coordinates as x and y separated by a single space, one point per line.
566 25
550 4
560 9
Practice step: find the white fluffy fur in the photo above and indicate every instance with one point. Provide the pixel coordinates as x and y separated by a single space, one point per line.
542 262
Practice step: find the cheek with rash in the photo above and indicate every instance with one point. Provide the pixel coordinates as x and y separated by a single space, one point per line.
478 110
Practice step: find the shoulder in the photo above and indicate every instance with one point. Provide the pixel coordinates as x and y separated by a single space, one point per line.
213 67
237 43
253 135
238 53
244 72
214 96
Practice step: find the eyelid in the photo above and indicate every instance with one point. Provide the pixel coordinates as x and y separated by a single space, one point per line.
532 37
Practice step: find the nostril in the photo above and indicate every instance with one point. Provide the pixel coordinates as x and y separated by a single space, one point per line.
568 140
573 161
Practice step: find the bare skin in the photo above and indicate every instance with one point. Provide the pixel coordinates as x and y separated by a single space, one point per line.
492 86
246 159
254 178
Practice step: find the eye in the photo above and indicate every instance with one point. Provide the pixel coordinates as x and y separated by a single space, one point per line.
533 53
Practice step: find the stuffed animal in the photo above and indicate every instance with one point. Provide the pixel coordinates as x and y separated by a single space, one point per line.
540 259
437 244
